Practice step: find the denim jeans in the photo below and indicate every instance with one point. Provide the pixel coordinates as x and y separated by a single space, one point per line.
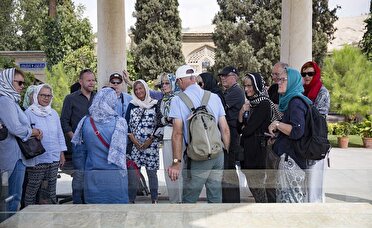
208 173
15 185
133 181
78 175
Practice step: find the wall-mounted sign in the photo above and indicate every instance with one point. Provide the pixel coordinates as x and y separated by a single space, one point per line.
32 66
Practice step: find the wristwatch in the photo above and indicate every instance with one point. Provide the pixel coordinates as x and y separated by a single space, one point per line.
175 161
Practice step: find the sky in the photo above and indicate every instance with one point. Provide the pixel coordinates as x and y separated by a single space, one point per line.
195 13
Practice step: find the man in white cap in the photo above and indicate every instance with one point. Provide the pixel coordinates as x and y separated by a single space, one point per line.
206 172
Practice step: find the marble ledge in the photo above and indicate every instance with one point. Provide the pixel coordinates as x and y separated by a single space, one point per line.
195 215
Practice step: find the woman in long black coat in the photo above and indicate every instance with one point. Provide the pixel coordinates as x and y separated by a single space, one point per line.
254 118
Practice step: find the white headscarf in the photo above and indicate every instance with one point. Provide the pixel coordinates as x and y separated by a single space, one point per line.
36 108
6 85
148 102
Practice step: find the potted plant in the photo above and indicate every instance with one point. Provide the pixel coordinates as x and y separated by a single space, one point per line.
342 130
365 131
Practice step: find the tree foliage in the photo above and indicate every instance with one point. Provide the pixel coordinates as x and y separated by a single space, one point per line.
8 28
58 80
323 29
157 35
366 42
247 33
347 75
35 30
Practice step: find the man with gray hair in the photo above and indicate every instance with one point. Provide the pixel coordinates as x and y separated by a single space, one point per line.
278 69
196 173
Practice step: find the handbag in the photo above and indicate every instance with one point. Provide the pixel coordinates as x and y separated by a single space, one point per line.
272 159
30 148
3 132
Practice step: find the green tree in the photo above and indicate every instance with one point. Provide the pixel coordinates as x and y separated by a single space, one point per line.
323 29
347 75
247 33
366 42
66 32
8 28
58 79
157 35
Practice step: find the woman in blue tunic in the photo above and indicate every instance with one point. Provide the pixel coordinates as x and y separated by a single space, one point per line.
141 118
105 171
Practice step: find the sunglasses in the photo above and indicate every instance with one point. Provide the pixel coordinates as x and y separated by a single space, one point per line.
115 83
20 83
310 74
165 83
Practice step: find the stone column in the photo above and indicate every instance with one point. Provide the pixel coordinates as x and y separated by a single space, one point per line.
111 50
296 32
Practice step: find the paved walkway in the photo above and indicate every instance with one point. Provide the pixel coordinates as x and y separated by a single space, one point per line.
348 187
348 179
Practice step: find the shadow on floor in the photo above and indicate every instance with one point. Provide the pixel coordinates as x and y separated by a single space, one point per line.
349 199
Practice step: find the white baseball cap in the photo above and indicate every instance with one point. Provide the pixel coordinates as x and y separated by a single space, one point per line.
185 71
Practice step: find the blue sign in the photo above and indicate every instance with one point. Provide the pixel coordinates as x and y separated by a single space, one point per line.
32 65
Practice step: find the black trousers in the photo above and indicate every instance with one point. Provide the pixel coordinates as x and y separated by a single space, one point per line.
230 180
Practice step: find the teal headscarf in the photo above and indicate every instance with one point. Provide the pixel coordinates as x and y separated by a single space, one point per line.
294 88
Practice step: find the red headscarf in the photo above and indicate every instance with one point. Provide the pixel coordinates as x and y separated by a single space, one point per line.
312 90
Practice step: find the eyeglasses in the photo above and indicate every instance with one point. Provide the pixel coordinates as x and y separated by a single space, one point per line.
275 75
310 74
46 96
165 83
282 80
20 83
116 83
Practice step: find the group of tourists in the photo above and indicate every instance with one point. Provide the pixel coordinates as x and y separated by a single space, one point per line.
112 134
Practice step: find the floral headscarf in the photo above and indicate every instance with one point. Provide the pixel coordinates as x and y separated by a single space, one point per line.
167 98
102 110
36 108
29 94
6 84
312 90
148 102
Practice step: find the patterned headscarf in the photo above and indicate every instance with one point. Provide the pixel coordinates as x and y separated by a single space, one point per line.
36 108
102 110
312 90
166 101
294 88
29 94
260 95
148 102
6 84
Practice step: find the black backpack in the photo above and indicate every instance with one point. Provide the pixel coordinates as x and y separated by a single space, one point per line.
314 144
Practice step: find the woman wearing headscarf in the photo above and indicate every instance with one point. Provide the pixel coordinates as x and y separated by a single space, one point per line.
291 187
169 89
103 136
319 95
314 88
207 82
141 118
254 118
11 115
44 168
28 97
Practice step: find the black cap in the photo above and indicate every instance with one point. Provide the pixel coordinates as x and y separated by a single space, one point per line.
227 70
117 76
